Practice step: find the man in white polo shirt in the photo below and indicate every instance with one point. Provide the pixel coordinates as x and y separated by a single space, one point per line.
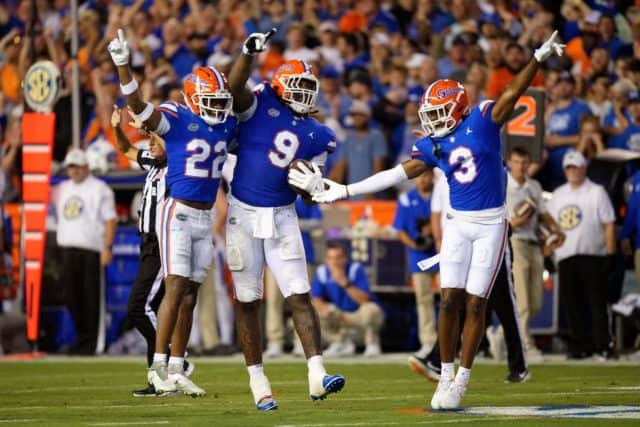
85 210
585 214
525 209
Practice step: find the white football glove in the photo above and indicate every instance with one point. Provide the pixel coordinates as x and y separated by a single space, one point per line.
309 180
119 49
334 192
257 42
548 48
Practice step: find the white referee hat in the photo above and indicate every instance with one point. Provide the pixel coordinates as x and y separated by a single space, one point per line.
75 157
573 158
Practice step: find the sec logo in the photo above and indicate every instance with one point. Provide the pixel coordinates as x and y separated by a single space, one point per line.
73 208
41 86
570 217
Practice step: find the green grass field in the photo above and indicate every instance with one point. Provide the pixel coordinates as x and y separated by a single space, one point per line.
96 392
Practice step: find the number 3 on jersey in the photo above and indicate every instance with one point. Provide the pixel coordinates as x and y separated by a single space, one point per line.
201 150
468 170
286 146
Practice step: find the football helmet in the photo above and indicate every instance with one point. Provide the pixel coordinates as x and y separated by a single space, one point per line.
296 85
443 106
206 92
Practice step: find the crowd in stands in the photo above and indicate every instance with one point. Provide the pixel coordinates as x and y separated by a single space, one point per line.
374 59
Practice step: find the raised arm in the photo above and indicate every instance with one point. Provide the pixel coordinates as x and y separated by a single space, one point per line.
504 105
119 50
241 71
129 151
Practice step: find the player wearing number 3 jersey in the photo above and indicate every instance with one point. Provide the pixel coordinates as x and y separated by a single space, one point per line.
196 136
262 225
465 144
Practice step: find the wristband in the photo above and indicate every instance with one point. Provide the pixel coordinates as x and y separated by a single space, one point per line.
129 88
144 115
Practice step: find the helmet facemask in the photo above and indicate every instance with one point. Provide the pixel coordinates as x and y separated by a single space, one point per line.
300 92
213 108
437 120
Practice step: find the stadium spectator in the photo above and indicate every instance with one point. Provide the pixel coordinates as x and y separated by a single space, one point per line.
584 212
413 225
296 48
626 134
631 226
590 139
598 95
526 210
563 125
456 59
85 210
364 151
514 60
343 299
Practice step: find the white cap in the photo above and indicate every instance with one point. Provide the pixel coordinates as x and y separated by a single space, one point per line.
573 158
76 157
593 17
416 60
328 26
380 39
360 107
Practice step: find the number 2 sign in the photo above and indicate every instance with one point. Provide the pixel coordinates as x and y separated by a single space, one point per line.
525 128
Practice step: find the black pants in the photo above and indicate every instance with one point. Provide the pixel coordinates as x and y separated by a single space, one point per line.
146 293
501 301
81 275
583 300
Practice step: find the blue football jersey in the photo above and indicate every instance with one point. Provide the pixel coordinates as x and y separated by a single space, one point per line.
195 153
268 142
471 158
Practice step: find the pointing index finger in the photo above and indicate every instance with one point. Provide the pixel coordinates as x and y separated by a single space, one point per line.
121 35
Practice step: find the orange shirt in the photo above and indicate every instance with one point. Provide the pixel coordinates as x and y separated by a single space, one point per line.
10 83
500 79
575 51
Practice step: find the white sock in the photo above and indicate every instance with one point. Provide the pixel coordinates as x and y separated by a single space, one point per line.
463 375
255 370
447 370
176 365
315 365
160 358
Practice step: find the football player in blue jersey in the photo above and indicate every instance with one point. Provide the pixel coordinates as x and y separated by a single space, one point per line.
465 144
275 129
196 137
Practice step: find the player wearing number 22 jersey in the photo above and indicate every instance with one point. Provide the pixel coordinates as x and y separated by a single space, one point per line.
262 226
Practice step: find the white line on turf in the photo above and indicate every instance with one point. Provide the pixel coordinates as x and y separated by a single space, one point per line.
405 422
26 420
129 423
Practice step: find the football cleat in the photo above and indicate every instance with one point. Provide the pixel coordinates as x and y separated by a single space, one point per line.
452 397
267 403
148 391
185 385
330 384
424 367
518 377
188 367
261 390
159 378
443 386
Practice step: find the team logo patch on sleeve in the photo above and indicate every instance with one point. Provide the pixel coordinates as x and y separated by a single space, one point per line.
273 112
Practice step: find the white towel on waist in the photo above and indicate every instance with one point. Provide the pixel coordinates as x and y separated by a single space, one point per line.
265 224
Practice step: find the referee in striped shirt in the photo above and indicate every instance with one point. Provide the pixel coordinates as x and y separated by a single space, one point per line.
148 288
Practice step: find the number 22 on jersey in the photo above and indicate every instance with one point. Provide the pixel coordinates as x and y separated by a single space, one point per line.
201 151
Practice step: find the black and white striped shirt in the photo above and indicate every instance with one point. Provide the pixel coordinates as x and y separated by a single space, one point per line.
153 192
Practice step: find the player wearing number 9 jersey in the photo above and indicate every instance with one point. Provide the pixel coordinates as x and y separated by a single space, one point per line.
465 144
196 138
262 225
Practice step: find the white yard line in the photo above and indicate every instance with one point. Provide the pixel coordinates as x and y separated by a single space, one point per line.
407 422
129 423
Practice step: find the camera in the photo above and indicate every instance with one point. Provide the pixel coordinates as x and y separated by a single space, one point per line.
424 243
